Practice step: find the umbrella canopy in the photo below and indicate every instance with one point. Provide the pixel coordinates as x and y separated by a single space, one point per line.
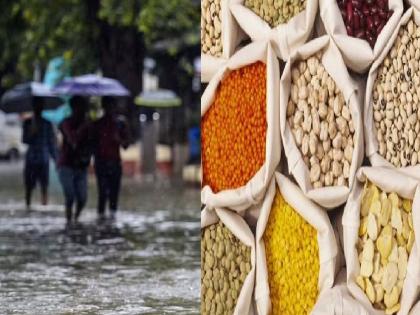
158 98
90 85
20 98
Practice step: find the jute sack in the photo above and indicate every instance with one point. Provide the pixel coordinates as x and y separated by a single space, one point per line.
316 217
372 146
241 198
285 37
388 180
357 53
237 225
231 37
332 196
338 300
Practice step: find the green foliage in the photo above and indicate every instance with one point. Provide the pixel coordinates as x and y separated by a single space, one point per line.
157 20
55 28
163 19
34 31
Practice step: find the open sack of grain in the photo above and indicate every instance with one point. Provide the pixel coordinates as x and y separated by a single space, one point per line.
227 263
361 29
240 129
381 222
321 122
296 251
392 113
287 24
220 36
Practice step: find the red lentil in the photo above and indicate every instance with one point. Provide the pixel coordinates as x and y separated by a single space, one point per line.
234 129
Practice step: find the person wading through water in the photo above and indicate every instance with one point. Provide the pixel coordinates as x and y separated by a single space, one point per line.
74 159
110 133
39 135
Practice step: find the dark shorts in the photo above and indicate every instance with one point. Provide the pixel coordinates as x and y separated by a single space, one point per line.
36 173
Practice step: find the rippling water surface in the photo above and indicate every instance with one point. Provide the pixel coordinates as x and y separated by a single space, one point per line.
147 262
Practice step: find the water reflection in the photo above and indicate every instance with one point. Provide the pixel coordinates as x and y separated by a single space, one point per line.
147 262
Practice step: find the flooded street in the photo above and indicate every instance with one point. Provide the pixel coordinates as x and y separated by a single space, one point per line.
147 262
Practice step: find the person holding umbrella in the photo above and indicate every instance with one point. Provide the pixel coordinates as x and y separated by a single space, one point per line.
39 135
75 157
111 133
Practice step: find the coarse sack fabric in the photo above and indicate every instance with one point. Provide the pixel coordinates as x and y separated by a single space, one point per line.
232 35
287 37
338 300
372 146
357 53
388 180
312 214
332 196
251 193
237 225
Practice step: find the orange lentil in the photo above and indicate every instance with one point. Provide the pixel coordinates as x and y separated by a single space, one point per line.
234 129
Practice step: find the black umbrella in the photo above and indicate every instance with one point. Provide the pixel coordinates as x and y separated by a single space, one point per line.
20 98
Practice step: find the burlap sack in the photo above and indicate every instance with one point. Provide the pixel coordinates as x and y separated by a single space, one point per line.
231 37
357 53
237 225
315 216
388 180
337 300
372 146
333 196
253 192
287 37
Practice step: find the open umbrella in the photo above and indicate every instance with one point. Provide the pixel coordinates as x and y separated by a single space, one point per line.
90 85
20 98
158 98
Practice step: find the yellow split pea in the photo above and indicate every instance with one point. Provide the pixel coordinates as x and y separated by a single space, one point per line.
292 260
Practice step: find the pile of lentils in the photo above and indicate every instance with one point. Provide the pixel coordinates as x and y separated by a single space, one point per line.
225 263
321 123
365 19
234 129
276 12
292 256
211 27
396 97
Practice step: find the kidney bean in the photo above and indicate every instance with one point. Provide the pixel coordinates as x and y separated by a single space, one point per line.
349 30
360 34
349 13
357 3
356 22
365 9
380 27
376 20
369 22
382 14
364 19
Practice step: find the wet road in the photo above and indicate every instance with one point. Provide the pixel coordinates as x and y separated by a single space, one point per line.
147 262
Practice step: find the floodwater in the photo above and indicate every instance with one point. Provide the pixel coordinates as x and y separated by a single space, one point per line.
147 262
